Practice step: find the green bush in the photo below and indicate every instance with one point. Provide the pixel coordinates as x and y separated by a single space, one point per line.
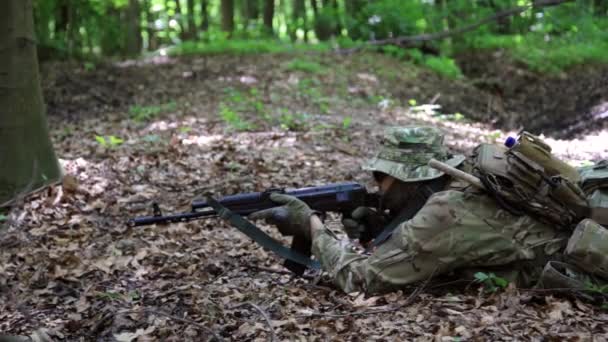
443 66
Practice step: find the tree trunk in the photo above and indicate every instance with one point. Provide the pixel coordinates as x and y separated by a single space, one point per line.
191 22
268 16
600 7
150 28
227 8
27 159
299 19
204 15
179 17
133 41
251 11
315 7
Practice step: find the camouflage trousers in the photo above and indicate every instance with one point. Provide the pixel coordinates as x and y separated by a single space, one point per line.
453 231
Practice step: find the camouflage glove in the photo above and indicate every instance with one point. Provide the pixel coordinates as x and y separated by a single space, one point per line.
364 224
292 218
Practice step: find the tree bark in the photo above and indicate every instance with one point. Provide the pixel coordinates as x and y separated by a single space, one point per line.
204 15
27 159
227 9
315 7
133 36
299 19
191 22
268 16
251 11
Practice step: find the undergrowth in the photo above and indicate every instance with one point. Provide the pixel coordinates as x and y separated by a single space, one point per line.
243 47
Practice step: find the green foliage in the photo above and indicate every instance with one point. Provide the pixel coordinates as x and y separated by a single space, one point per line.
293 122
145 113
3 217
110 141
444 66
310 89
596 288
491 281
548 39
304 66
234 120
346 122
243 47
388 18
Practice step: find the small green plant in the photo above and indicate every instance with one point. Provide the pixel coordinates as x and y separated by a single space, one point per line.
596 288
346 123
491 281
109 296
304 66
293 122
110 141
3 217
145 113
89 66
444 66
233 119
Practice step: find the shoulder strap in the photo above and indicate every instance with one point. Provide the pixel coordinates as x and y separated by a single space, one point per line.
259 236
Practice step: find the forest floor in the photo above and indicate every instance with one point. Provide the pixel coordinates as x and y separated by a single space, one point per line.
171 129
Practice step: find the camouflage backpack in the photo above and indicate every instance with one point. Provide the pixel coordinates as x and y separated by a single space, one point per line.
526 178
594 181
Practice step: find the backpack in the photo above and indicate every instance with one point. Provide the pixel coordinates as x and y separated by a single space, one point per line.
528 179
594 182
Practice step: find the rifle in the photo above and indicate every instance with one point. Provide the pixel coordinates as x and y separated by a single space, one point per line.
340 198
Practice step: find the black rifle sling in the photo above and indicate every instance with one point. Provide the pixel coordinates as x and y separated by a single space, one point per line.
422 195
259 236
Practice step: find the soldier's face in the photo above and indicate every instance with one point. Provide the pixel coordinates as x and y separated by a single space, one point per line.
395 193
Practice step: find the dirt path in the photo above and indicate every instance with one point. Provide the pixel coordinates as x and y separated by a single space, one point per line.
70 265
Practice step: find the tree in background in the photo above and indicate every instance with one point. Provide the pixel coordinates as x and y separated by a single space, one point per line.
134 43
227 9
27 159
268 16
204 9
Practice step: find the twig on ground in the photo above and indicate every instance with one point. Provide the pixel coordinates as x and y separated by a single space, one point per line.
175 318
273 336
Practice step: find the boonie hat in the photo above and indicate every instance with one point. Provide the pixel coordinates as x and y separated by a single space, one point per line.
406 151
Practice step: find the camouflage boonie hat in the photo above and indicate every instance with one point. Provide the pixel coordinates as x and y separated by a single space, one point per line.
406 151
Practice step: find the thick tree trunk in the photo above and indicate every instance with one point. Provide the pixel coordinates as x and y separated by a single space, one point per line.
204 15
227 9
133 41
268 16
27 159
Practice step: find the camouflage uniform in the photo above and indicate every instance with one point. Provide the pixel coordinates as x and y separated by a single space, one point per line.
456 229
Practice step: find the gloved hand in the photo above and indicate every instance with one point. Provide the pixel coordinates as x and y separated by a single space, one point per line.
292 218
364 223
